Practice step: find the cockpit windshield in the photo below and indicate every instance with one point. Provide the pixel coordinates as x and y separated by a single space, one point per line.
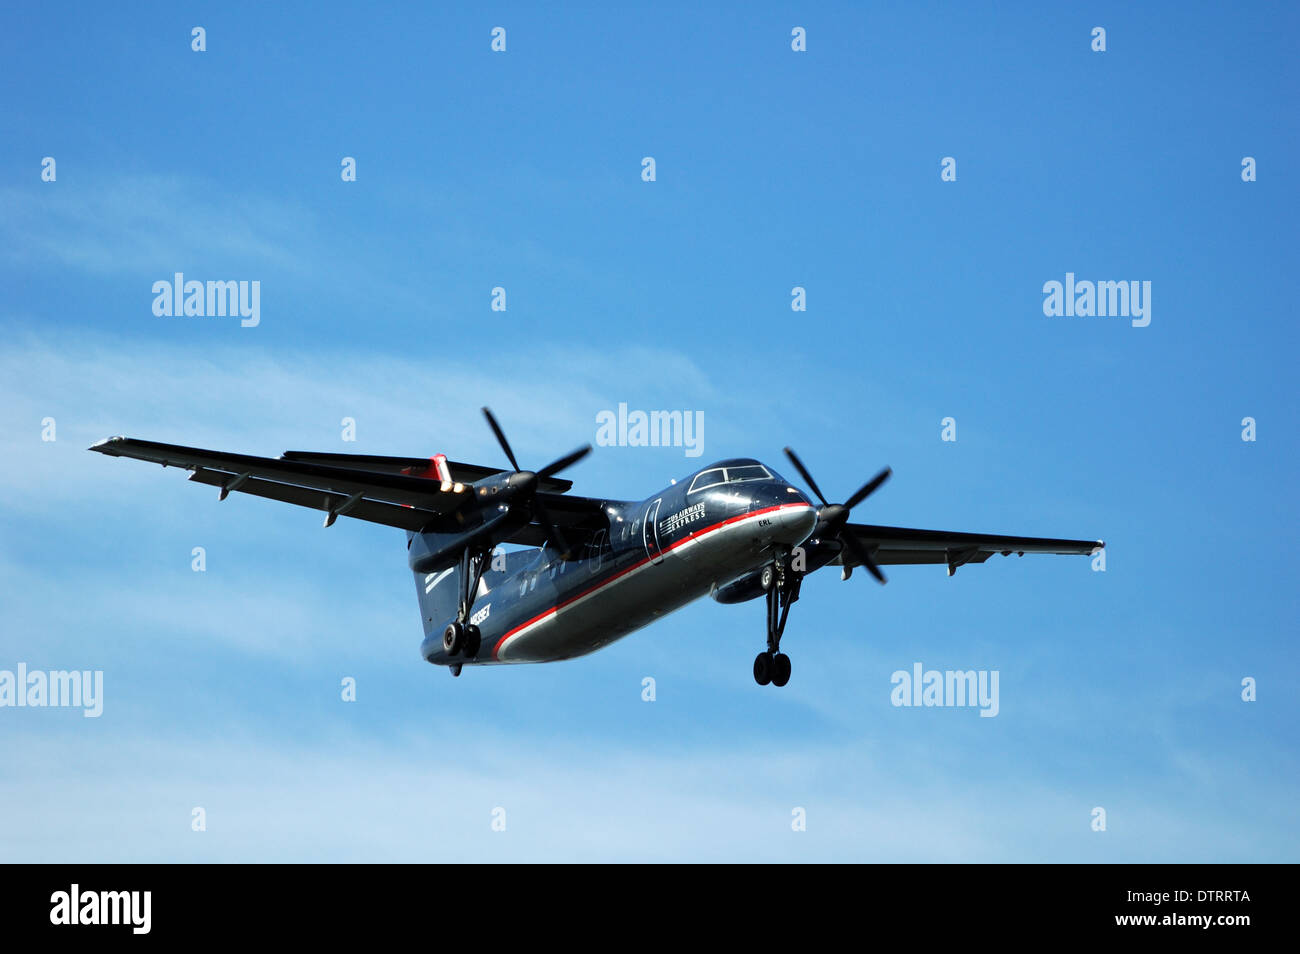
729 475
748 472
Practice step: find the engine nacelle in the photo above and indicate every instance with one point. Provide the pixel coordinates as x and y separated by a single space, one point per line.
748 587
433 552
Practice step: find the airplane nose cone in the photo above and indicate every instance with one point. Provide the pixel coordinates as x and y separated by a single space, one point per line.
795 523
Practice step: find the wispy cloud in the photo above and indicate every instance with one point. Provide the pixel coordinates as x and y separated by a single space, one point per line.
252 400
341 798
149 224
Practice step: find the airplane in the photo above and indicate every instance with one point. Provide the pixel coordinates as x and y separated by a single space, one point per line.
593 569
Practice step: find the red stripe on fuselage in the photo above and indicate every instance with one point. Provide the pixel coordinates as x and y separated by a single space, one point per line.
636 566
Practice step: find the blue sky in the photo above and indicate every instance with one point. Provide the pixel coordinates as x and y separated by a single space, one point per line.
774 169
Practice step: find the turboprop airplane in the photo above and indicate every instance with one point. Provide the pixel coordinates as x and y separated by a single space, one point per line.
593 569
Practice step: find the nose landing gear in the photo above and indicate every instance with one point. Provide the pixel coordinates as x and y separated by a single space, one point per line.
782 585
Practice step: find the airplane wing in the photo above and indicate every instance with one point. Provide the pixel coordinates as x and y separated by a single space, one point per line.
395 499
382 490
900 545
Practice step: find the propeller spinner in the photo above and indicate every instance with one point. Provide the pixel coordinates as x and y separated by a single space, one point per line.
831 518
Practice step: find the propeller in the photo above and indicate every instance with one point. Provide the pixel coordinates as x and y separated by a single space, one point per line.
524 482
833 517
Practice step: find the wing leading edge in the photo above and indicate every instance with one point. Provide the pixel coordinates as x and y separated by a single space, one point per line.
902 545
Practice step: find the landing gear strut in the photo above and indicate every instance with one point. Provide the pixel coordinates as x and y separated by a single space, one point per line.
782 585
461 636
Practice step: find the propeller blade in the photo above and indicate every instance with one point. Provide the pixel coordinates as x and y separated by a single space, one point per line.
862 556
869 488
501 438
803 472
875 571
558 543
566 461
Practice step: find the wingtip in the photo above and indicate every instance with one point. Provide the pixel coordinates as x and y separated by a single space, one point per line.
100 445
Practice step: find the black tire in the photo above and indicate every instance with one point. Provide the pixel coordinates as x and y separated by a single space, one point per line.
780 669
763 668
453 638
473 639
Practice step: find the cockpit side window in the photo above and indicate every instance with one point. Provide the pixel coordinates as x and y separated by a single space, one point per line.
707 478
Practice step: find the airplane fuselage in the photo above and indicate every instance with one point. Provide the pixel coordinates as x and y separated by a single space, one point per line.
658 555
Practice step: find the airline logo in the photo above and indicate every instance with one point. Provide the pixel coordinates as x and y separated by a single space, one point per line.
681 518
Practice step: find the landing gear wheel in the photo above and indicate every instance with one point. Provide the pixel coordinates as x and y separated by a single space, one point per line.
473 638
765 578
453 638
763 665
780 669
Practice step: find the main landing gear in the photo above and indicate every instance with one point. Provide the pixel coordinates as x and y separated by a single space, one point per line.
782 586
461 637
